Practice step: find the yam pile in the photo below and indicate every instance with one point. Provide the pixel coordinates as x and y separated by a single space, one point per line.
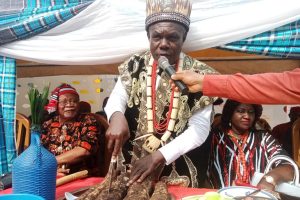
119 191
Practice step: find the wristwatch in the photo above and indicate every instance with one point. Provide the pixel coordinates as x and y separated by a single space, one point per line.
270 180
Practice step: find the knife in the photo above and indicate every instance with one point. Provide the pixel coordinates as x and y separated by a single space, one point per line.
111 171
251 194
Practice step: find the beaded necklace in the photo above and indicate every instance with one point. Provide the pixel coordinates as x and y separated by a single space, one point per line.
166 127
62 138
242 178
160 127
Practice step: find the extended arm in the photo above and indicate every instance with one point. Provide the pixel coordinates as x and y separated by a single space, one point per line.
118 131
266 88
73 156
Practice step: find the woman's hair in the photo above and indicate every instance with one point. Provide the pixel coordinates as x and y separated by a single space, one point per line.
229 108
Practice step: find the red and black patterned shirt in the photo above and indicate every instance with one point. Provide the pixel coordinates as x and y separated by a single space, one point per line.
258 150
82 132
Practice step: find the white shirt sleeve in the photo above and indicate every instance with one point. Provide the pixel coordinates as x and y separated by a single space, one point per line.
195 135
192 137
117 100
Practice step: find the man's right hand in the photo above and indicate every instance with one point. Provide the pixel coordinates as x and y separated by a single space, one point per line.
117 133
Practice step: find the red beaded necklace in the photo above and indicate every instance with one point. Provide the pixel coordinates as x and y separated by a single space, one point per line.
242 178
160 126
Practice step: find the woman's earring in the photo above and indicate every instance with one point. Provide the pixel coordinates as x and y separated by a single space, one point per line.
229 124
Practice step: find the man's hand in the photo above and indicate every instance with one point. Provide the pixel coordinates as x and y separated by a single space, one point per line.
145 166
62 171
266 186
193 80
117 133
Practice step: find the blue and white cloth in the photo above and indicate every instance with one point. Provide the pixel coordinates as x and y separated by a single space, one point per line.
7 113
37 17
283 42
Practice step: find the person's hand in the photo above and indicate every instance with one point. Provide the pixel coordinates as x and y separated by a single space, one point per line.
145 166
265 185
193 80
280 174
62 171
117 133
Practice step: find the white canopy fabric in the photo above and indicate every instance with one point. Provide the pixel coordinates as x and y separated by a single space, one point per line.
109 31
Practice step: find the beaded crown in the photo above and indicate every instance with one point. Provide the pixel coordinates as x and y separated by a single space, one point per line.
168 10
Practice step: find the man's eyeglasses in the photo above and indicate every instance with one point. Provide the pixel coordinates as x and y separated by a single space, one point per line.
68 101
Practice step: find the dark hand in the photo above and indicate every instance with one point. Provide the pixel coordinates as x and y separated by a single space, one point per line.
145 166
117 133
193 80
279 174
62 171
265 185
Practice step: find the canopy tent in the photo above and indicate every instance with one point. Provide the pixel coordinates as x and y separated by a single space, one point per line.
109 31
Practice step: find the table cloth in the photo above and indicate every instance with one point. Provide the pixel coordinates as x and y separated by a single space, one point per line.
176 191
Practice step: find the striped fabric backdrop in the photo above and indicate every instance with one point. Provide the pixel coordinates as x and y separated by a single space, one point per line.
36 17
281 42
7 112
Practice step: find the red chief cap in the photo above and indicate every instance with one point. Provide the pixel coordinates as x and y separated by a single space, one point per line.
60 90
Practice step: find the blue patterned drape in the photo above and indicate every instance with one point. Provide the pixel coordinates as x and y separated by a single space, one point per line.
7 112
281 42
36 16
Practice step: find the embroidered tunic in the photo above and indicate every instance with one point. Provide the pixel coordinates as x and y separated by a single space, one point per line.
259 149
59 138
133 75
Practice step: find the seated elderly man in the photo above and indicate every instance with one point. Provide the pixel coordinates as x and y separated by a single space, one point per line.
71 136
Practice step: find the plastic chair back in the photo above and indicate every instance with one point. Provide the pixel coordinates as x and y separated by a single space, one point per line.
22 133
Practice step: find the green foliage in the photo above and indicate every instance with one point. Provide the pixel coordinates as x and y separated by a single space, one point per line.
37 102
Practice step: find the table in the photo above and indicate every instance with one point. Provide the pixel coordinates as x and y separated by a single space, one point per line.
176 191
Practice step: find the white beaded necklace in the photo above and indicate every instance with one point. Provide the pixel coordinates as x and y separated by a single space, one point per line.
152 143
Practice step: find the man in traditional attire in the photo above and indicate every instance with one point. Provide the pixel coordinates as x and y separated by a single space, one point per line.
283 132
162 125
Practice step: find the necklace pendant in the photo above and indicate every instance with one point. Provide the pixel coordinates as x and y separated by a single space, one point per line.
175 179
166 136
59 149
151 144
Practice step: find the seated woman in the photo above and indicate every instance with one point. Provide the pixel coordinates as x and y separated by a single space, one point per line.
71 136
237 150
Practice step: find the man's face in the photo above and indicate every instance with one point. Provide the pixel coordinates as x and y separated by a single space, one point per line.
166 39
68 106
